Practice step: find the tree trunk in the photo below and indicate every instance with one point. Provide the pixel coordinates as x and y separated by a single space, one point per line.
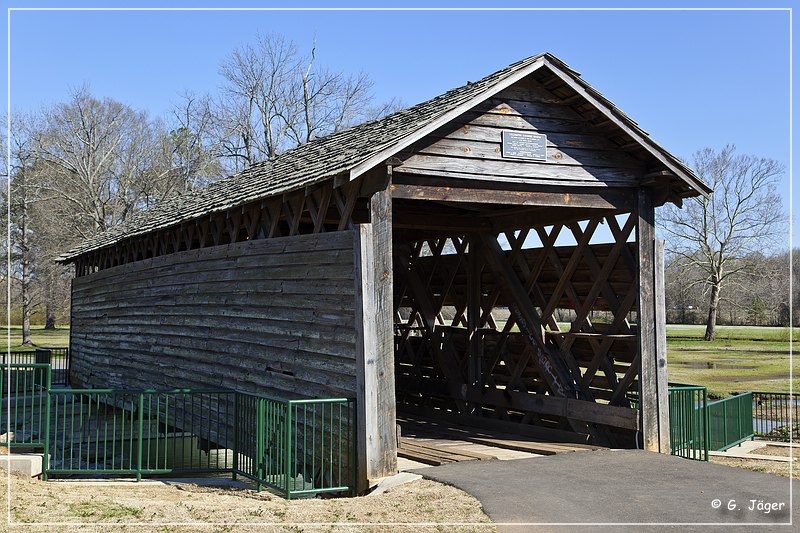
50 314
26 304
26 281
711 323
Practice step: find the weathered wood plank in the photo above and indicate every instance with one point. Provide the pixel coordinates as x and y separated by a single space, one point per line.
375 398
278 250
448 453
380 206
655 419
261 315
519 171
539 432
491 149
455 193
662 385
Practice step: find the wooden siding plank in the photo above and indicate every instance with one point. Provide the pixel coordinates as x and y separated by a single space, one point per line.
519 169
275 316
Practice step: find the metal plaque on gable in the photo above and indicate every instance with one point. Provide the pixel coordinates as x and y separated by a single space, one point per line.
521 145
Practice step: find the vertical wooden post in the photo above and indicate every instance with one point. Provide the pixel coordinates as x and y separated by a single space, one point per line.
661 349
375 396
475 349
653 371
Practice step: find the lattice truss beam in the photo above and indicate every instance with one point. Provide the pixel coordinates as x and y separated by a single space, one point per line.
315 209
513 359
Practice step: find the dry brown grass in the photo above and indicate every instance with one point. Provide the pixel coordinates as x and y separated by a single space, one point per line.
778 451
776 468
154 506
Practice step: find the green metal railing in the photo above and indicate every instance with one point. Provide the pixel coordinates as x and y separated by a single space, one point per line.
688 422
58 358
105 431
322 445
730 421
776 415
295 447
24 415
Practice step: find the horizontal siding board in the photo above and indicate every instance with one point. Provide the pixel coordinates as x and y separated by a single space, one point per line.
297 287
577 154
324 272
524 171
470 148
274 316
336 242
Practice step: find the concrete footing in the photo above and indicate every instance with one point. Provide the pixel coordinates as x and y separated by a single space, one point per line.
28 464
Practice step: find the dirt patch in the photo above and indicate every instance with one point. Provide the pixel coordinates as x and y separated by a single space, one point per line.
776 468
715 365
778 451
752 378
154 506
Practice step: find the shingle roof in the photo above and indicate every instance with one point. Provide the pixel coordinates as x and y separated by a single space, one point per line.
315 161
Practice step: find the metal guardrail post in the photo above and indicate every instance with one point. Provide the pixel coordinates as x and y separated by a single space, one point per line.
46 456
235 434
260 442
706 431
140 438
288 451
354 447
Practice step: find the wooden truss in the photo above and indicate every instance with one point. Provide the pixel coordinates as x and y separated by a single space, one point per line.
477 327
314 209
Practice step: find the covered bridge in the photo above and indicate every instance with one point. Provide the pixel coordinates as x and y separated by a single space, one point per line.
487 256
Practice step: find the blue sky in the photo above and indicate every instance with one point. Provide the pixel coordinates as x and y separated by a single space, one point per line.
690 78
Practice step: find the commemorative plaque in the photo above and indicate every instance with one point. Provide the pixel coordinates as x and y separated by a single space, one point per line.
520 145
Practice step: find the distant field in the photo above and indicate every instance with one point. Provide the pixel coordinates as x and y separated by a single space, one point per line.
57 338
741 359
760 333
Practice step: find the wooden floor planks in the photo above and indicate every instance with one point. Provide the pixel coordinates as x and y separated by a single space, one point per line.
436 442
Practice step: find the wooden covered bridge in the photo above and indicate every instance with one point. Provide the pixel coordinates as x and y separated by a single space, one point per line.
487 256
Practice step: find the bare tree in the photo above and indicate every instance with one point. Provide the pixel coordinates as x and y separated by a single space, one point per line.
189 148
97 155
718 235
78 168
258 100
275 99
24 195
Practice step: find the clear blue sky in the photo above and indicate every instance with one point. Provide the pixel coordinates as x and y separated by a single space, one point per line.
690 78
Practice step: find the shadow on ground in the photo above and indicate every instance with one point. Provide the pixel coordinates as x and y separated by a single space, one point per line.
628 490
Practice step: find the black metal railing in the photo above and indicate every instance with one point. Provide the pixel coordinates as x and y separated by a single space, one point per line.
57 358
776 415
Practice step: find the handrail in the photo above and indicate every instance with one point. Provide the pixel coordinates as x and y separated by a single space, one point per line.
296 447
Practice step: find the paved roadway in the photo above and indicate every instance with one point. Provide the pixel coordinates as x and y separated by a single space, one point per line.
628 490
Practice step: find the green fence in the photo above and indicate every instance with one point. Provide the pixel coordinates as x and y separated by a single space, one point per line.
104 431
730 421
688 422
24 407
776 415
57 358
296 447
697 426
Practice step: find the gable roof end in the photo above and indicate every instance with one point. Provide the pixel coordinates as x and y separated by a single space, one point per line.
349 153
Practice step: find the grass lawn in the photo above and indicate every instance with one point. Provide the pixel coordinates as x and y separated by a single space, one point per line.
54 338
759 333
741 359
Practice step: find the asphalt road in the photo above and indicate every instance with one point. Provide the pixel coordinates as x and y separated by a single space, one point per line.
624 490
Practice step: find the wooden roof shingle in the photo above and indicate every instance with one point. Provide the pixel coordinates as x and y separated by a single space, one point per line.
354 150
